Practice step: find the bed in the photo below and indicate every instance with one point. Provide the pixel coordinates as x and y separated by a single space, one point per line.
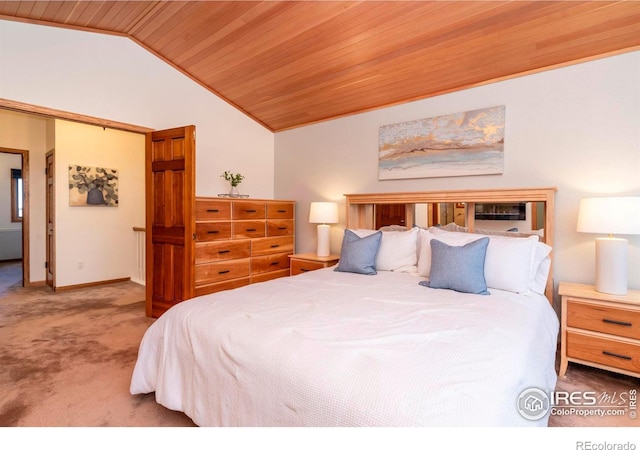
406 345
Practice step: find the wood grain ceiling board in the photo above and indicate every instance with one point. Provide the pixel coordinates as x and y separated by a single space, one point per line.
289 64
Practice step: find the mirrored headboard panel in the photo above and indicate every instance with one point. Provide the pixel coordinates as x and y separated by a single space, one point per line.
433 207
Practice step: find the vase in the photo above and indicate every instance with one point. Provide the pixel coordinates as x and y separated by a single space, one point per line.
234 192
95 197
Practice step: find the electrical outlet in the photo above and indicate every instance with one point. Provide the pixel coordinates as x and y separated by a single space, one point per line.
80 265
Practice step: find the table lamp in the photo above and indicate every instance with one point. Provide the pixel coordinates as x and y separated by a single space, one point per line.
610 215
323 213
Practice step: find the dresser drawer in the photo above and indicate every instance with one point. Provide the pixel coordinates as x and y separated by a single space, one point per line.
280 227
269 263
266 276
602 350
219 251
276 210
212 210
222 286
269 245
610 319
222 271
247 210
212 231
246 229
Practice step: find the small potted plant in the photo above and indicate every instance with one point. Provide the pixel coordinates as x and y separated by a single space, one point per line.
234 179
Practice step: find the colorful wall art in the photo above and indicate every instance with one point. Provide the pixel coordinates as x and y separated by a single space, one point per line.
462 144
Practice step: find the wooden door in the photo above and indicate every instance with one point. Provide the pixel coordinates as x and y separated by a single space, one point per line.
170 221
50 263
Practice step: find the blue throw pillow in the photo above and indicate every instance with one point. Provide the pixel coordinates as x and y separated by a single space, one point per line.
358 255
460 268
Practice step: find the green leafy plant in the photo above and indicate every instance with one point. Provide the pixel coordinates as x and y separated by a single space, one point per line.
233 178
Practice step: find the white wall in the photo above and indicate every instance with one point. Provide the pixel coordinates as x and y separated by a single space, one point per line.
25 132
10 232
575 128
96 243
111 77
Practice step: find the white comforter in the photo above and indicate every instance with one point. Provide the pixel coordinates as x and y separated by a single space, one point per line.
330 348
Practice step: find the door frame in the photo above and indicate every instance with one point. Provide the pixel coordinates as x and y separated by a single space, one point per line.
26 276
42 111
50 214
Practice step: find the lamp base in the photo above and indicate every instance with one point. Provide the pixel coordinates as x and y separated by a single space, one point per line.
323 240
611 266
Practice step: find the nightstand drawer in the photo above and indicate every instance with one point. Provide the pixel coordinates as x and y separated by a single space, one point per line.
602 350
299 266
609 319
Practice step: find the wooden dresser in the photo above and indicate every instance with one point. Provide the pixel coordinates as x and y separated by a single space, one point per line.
600 330
241 241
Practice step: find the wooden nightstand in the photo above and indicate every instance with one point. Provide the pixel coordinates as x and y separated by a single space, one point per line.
305 262
600 330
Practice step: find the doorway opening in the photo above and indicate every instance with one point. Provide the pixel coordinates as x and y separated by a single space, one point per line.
14 218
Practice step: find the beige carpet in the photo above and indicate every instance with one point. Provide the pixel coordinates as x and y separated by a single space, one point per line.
66 361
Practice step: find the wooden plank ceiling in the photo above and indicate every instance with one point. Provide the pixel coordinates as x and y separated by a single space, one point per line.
288 64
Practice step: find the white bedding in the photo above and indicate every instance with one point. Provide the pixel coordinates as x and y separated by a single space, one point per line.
330 348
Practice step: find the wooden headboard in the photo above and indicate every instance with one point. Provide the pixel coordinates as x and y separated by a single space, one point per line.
361 208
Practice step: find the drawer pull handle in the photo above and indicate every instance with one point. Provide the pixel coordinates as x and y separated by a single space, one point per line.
251 229
224 251
282 228
213 231
282 210
275 263
302 269
617 322
275 246
617 355
222 272
250 210
213 210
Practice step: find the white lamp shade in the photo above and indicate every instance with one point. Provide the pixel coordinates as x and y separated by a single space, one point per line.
323 212
609 215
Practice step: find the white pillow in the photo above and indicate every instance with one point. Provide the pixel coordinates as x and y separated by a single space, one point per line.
542 264
424 255
510 263
397 250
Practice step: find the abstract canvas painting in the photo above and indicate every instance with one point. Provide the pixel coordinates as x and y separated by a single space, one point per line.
92 186
466 143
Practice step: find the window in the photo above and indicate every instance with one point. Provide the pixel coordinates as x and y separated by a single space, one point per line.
16 195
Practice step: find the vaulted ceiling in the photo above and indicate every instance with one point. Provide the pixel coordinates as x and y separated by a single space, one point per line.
288 63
